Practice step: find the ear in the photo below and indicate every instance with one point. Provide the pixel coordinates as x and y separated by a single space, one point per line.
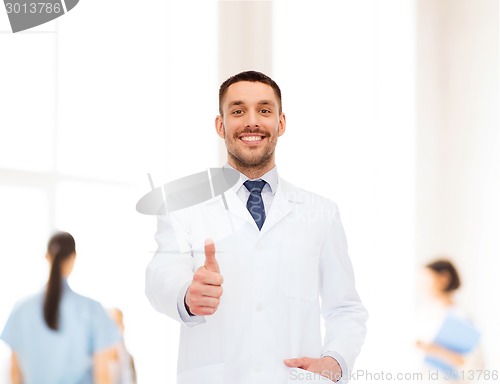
282 125
219 126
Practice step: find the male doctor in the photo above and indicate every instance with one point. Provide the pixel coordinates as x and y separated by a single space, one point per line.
249 300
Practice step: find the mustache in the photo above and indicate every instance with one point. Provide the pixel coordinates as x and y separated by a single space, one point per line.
252 132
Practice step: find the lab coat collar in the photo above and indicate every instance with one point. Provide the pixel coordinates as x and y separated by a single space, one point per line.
285 198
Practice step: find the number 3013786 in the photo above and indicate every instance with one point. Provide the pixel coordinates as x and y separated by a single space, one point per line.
46 8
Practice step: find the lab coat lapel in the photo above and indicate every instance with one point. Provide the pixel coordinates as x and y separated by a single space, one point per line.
236 206
282 205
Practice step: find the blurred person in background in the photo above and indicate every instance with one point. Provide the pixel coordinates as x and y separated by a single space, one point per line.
122 362
58 336
448 336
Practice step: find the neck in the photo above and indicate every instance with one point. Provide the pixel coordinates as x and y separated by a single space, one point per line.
446 299
252 171
67 267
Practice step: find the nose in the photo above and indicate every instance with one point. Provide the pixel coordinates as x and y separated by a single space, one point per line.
252 120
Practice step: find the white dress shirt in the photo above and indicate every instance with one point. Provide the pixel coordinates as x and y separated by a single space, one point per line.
271 179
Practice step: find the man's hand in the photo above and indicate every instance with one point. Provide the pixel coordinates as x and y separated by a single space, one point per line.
325 366
203 295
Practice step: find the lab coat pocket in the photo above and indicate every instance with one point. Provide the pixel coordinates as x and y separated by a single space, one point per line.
300 271
298 376
208 374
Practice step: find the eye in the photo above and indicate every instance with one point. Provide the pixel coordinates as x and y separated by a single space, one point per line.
237 112
265 111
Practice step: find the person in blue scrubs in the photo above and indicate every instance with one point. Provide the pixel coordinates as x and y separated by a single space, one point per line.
58 336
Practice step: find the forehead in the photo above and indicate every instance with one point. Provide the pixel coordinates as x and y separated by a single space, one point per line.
249 92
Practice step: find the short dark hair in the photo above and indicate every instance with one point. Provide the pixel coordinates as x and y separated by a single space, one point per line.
252 76
445 266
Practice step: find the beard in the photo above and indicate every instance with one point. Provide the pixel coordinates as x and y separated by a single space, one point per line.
250 158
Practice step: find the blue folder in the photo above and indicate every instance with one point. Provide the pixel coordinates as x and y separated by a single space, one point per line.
457 335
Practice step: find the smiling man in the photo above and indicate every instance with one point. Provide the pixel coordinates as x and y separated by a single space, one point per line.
250 121
280 249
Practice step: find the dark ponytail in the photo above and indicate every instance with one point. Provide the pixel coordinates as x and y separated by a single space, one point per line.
60 247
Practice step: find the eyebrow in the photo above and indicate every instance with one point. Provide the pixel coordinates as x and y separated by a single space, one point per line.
241 102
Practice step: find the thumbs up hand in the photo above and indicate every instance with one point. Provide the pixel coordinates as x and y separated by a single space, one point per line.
204 292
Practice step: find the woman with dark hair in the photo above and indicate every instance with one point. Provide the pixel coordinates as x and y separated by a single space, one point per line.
447 319
59 336
446 279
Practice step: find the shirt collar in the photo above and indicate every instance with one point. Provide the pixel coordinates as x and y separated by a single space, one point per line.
271 178
65 284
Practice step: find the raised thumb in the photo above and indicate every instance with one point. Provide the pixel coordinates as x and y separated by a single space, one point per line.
210 260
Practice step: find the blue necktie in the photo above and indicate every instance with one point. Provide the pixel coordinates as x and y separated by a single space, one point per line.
255 204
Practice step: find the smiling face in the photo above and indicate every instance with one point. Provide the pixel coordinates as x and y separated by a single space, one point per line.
250 124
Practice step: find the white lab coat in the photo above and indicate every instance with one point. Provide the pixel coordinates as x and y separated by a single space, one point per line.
273 281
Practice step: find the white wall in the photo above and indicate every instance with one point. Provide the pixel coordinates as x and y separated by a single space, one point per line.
458 167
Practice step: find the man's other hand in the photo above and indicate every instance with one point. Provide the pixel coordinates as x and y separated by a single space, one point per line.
325 366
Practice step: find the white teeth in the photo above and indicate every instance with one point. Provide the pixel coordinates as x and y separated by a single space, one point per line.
251 138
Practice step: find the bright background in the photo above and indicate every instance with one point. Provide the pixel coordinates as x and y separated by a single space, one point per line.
392 109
